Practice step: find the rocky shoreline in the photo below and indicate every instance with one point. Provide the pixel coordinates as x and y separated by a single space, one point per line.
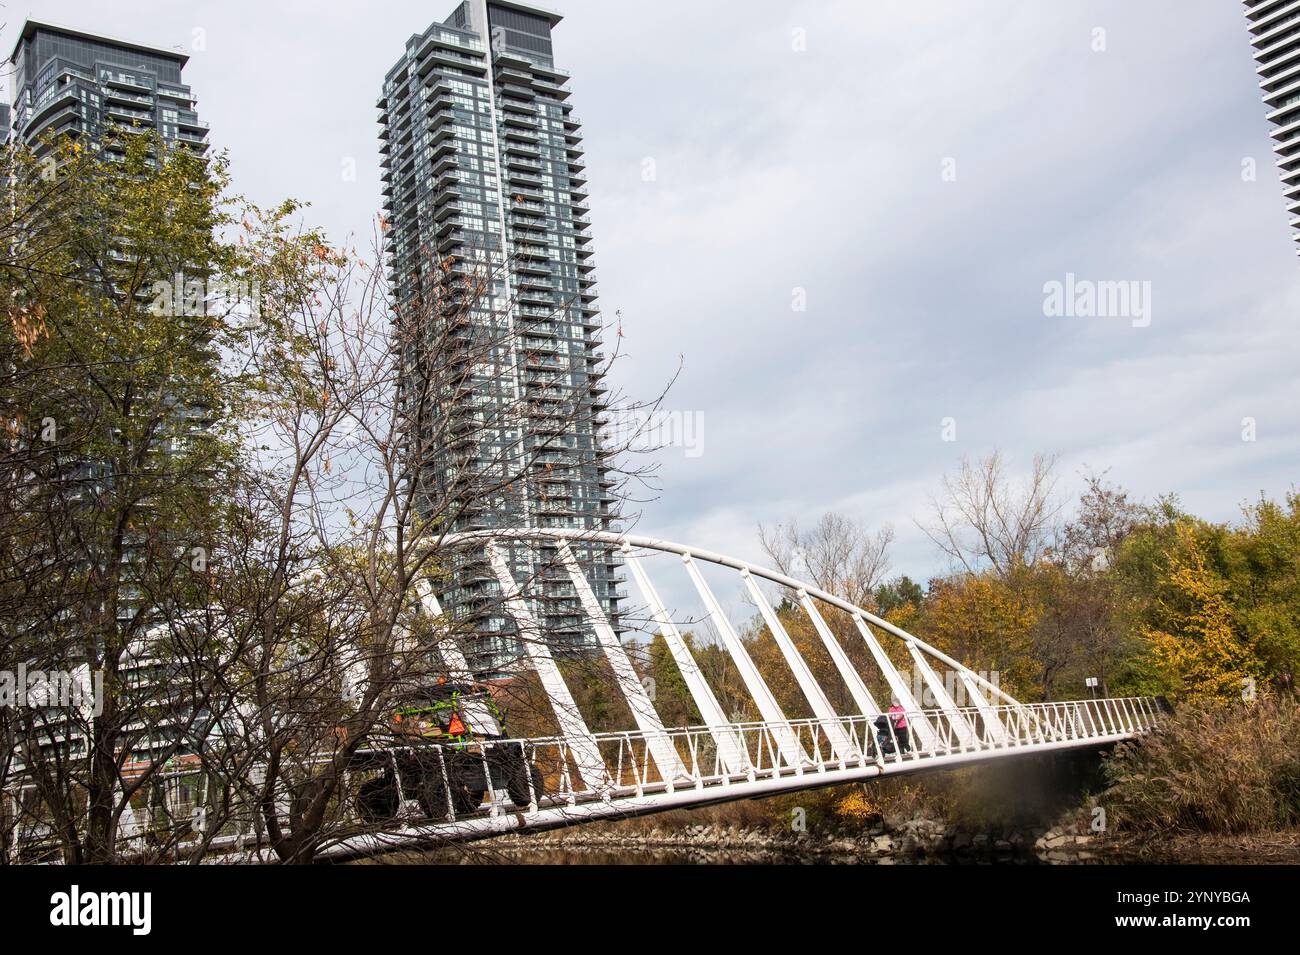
889 841
903 841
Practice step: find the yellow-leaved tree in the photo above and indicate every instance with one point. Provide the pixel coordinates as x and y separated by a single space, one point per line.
1196 644
985 623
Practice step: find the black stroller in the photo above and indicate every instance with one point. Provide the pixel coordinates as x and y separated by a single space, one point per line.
890 740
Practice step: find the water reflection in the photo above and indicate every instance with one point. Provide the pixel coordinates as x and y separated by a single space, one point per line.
689 856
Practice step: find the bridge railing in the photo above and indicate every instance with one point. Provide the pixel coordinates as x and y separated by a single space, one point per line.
781 753
769 758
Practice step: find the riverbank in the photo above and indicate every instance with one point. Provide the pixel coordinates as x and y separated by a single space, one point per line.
919 841
1276 848
1031 811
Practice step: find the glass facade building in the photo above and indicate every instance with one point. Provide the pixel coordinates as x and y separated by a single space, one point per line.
483 170
1275 35
66 81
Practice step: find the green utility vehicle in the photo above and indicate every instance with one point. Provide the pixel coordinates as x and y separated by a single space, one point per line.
439 763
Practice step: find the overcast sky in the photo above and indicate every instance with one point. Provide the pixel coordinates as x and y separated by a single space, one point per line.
916 173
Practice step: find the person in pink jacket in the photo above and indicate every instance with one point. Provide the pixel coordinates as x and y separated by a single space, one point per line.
898 717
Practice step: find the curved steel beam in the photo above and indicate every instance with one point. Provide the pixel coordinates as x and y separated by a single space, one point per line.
617 540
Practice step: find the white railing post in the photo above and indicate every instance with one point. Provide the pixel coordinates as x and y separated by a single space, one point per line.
1116 722
1128 713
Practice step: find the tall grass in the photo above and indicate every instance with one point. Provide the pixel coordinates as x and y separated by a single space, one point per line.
1214 768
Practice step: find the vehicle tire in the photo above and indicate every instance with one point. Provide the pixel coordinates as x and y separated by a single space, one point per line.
466 800
377 800
518 785
432 794
465 780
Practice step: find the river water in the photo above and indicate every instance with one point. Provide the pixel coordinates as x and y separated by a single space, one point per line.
484 854
1284 848
715 857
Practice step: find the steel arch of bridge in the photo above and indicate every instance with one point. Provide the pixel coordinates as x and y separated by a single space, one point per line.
652 767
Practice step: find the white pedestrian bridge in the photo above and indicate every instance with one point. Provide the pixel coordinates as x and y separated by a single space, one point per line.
648 767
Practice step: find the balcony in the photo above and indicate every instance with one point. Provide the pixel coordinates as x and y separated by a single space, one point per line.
559 91
117 96
529 182
522 121
521 135
445 164
523 193
523 162
523 220
437 57
513 91
131 115
123 81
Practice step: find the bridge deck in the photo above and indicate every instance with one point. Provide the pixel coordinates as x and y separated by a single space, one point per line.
633 787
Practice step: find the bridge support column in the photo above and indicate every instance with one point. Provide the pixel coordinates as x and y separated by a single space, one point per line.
965 733
731 750
647 720
920 726
768 708
992 720
866 703
451 655
572 726
830 722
